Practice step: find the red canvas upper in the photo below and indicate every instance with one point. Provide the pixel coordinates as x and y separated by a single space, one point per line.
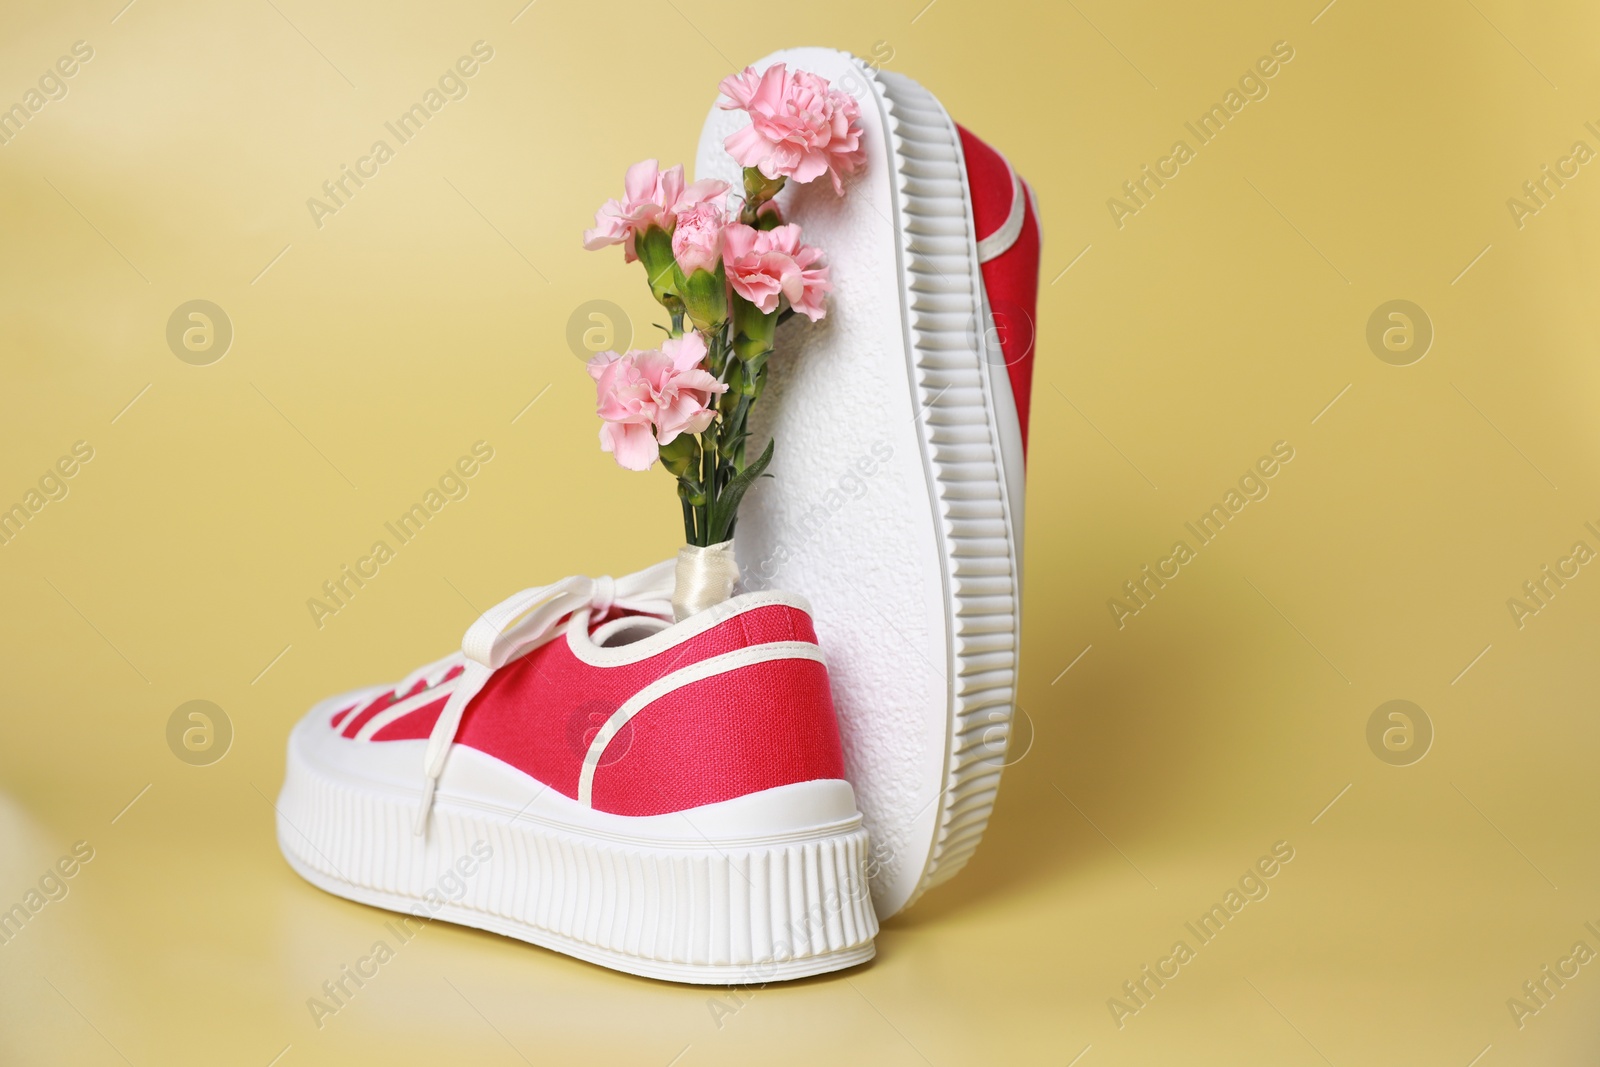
752 727
1012 277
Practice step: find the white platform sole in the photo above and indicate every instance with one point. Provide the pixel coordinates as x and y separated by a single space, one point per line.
896 501
763 888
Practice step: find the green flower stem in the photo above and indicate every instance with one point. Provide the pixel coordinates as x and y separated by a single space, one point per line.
703 512
711 466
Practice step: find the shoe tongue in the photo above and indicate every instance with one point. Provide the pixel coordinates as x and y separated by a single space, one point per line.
626 630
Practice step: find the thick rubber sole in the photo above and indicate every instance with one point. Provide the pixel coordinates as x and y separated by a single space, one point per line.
654 897
903 391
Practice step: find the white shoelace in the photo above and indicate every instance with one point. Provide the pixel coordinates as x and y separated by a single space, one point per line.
516 625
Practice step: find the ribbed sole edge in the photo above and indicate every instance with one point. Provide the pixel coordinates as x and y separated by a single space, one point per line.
693 912
946 318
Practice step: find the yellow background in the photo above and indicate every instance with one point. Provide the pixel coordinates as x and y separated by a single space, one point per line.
1223 317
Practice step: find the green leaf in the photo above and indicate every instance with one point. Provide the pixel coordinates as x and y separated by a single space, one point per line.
725 508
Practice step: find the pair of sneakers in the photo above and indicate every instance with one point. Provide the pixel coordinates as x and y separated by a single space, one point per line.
742 795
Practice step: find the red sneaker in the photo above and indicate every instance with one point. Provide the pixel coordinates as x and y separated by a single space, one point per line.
896 501
663 799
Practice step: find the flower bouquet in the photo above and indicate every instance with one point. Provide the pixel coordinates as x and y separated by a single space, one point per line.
728 269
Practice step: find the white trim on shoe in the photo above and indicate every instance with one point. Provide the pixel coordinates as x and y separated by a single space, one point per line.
1000 241
595 655
589 648
399 709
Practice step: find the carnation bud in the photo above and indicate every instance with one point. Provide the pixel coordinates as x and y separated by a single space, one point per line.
681 455
753 332
705 298
654 249
758 189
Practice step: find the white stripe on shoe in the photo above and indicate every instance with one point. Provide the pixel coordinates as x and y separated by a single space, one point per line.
401 708
706 668
1001 240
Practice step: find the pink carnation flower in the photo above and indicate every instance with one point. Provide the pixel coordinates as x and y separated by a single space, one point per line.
766 264
651 197
697 241
800 127
648 397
